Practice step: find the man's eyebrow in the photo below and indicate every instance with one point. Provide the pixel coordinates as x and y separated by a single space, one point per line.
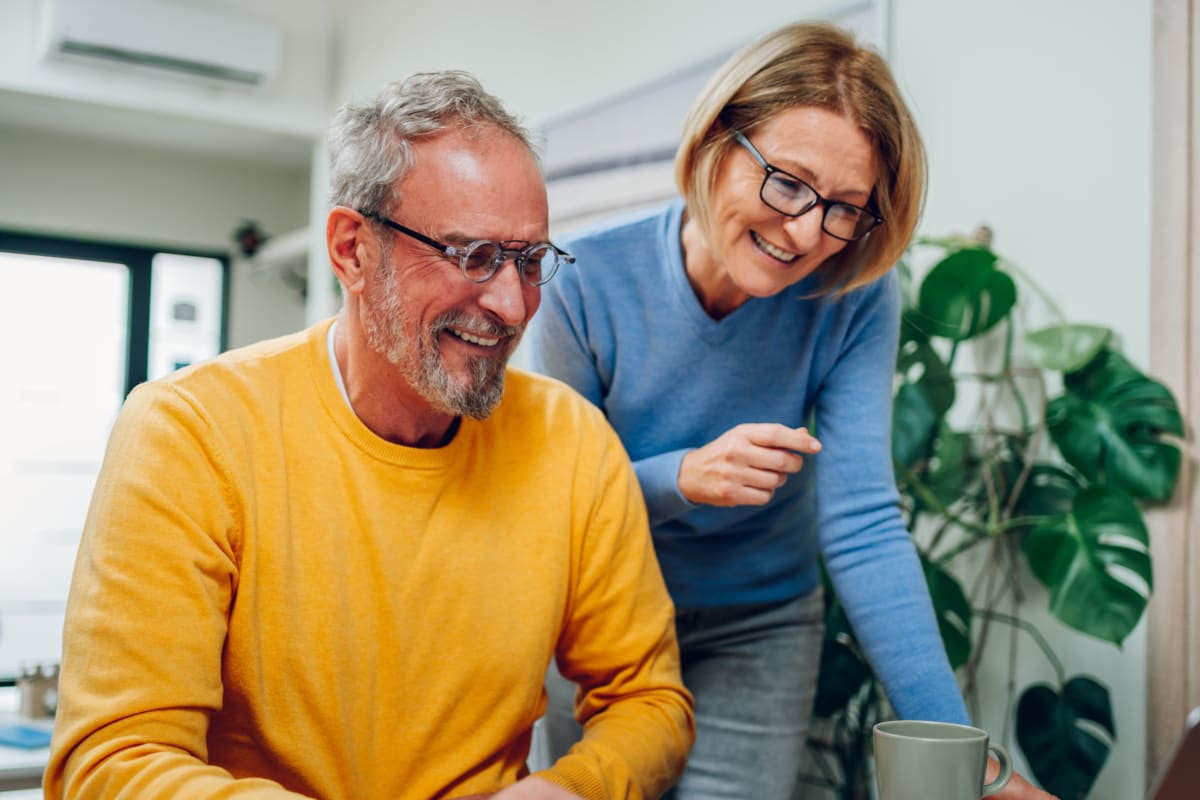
458 238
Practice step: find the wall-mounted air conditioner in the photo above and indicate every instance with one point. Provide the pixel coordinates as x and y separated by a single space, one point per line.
163 36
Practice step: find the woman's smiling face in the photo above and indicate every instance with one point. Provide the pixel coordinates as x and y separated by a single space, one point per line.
752 250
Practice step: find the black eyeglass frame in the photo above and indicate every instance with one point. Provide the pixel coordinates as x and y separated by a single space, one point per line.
770 169
461 254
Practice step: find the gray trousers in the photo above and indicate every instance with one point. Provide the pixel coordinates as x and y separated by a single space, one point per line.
753 672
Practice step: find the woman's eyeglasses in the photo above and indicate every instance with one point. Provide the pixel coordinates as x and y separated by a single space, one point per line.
794 197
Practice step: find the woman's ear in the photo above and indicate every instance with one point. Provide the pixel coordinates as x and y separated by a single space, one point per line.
352 246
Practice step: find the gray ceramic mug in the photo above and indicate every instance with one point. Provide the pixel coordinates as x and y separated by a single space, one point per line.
916 760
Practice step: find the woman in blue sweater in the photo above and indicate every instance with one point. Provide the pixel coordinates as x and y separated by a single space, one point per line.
712 332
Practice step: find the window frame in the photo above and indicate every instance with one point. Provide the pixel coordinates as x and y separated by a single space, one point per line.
138 259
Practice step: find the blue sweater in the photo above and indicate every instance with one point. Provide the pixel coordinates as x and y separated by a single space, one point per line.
624 328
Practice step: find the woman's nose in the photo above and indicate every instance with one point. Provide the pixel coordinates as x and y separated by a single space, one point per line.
805 230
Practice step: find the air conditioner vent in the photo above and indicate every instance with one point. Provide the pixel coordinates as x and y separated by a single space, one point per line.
168 37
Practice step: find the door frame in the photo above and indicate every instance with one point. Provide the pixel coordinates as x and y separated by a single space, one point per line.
1173 617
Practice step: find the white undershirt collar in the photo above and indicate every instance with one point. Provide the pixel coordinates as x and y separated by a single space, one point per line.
337 370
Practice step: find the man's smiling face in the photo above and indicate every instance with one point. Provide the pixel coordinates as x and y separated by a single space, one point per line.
451 339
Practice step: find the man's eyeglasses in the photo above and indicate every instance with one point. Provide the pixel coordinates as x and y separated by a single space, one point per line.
482 259
793 197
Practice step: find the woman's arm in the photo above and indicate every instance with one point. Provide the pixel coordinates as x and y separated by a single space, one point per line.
867 549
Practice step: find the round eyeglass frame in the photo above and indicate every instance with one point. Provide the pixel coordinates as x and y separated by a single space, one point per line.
463 254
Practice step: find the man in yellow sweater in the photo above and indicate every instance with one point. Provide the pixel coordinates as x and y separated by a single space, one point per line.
337 564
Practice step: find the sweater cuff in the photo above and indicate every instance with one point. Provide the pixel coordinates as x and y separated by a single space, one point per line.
575 779
659 477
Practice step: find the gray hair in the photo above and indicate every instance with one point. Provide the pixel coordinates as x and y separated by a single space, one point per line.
370 143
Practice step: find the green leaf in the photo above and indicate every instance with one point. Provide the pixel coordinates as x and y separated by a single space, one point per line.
952 242
913 423
1049 491
925 393
918 363
1066 738
952 610
1066 348
965 295
1096 563
843 669
948 473
1109 423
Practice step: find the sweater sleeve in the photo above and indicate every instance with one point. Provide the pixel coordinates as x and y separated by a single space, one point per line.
557 339
658 476
618 644
560 345
867 549
156 557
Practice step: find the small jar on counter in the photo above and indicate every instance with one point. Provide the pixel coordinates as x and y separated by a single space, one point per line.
38 687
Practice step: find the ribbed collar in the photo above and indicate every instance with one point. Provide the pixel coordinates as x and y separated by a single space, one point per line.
331 390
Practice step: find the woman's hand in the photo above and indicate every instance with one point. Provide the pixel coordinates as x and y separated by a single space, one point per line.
534 788
745 465
1017 788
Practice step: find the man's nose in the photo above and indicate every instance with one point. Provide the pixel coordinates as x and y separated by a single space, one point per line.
504 294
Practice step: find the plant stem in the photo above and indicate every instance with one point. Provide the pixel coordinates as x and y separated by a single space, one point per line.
991 532
1009 327
995 377
1022 522
1009 381
931 500
1033 632
1032 284
962 547
1027 462
941 531
1010 685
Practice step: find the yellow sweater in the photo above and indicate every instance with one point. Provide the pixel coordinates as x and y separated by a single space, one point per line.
270 601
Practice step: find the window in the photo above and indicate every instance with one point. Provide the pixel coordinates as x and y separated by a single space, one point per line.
82 324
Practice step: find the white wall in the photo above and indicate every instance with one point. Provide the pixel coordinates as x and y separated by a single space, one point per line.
543 57
1037 120
293 104
74 187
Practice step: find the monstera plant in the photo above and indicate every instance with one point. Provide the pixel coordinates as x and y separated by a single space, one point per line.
1018 453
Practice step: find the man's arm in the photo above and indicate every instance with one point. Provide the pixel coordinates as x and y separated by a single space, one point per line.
618 644
530 787
146 616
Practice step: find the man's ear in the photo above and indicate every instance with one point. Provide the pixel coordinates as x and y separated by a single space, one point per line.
353 248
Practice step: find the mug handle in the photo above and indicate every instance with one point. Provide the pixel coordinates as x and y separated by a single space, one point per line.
1005 770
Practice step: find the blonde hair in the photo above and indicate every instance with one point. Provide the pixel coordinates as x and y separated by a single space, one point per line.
819 65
